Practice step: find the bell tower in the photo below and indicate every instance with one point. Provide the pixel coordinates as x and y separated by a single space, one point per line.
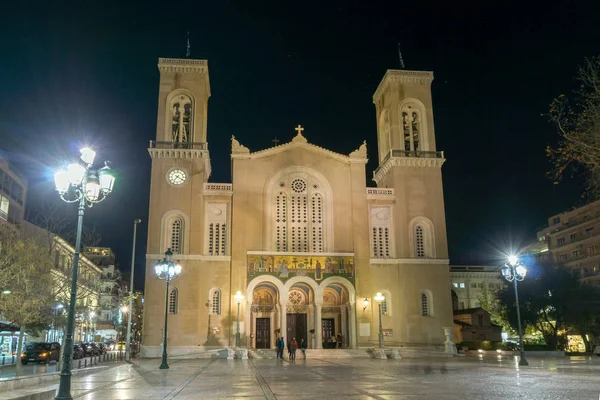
411 165
180 157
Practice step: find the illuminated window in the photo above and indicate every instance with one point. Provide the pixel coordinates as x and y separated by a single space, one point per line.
560 241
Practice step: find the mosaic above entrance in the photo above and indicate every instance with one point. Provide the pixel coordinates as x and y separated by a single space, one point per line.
285 267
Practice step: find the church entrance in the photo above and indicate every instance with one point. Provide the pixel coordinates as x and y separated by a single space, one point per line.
296 327
263 333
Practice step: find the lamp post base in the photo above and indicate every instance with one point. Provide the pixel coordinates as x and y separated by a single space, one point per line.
522 360
163 364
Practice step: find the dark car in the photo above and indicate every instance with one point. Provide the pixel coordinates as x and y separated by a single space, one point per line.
78 352
91 349
41 352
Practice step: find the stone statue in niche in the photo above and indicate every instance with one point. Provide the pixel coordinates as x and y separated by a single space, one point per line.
181 107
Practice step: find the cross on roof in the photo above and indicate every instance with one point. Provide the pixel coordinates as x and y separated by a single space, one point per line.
299 129
275 141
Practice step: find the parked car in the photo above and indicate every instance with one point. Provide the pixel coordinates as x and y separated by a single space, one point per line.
120 346
78 352
91 349
41 352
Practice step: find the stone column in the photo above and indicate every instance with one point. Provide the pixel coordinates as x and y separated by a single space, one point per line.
310 321
352 327
344 313
272 328
283 323
318 326
248 325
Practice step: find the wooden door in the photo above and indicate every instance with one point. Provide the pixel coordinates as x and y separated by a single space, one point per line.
263 333
328 326
296 327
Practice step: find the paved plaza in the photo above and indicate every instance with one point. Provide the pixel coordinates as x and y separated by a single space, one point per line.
472 377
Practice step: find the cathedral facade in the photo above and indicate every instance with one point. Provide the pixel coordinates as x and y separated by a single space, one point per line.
298 233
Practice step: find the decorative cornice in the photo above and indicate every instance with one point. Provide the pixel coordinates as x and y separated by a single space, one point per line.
422 261
186 154
290 253
380 194
300 141
192 257
402 76
185 66
416 162
218 189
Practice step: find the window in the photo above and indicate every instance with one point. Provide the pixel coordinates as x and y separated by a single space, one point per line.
573 237
173 301
589 231
425 305
176 235
300 216
555 220
562 256
411 124
419 242
560 241
215 302
384 306
575 253
455 284
462 285
480 320
380 220
217 237
473 285
181 109
592 249
4 203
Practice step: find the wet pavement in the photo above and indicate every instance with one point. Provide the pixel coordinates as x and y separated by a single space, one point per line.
471 377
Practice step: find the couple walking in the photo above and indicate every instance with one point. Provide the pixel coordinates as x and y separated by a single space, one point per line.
292 347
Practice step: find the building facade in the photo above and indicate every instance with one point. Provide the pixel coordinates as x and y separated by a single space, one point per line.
473 285
13 193
298 233
573 239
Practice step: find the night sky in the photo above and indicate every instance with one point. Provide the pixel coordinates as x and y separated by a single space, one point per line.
85 72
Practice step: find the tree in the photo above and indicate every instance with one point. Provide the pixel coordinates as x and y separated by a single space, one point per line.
553 301
578 126
24 268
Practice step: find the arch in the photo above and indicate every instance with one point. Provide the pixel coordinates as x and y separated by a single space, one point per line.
339 280
384 139
421 236
418 107
302 280
169 114
165 228
266 278
173 300
272 189
215 296
426 303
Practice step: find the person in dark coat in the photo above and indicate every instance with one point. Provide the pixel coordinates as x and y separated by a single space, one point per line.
293 346
279 346
303 347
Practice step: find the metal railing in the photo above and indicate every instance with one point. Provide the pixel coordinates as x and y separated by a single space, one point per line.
178 145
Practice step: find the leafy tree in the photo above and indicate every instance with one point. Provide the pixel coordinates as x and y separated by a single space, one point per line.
24 271
578 124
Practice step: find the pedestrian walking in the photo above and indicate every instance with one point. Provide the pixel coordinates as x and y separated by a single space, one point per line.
293 347
339 340
303 347
279 344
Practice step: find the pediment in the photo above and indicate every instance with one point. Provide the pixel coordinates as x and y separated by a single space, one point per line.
239 151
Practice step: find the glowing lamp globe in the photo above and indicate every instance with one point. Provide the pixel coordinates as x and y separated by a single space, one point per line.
87 155
92 188
76 172
521 271
379 297
106 177
512 260
61 181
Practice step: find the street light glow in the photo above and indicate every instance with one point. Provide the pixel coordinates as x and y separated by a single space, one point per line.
379 297
512 259
75 172
238 297
87 155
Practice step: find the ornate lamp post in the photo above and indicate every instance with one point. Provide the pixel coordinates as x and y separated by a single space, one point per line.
514 271
79 183
128 338
238 299
167 270
379 298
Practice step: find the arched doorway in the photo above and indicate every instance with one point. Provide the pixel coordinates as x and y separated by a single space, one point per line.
264 299
334 317
300 296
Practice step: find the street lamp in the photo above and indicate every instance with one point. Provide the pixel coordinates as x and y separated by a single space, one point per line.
128 338
79 183
514 271
167 270
379 298
238 299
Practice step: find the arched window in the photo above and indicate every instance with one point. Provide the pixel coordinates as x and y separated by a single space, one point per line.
426 304
413 130
422 238
173 301
215 301
181 123
299 217
381 224
386 304
176 235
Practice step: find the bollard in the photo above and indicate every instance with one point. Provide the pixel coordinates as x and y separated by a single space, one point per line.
85 363
79 364
3 359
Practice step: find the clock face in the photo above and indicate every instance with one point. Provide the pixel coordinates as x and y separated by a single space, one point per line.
177 177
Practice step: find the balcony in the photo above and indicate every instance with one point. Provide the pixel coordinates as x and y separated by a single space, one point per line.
578 238
178 145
